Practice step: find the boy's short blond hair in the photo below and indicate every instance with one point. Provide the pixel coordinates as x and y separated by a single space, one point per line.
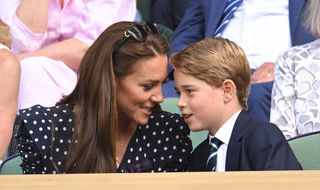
213 60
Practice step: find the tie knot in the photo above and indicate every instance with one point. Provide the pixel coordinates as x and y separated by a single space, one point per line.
215 143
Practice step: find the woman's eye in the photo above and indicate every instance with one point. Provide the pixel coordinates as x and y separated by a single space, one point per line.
147 87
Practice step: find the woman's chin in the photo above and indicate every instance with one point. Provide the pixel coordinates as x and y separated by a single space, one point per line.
143 121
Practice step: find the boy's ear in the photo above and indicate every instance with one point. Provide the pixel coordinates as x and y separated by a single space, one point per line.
229 90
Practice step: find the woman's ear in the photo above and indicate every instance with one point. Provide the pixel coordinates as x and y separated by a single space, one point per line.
229 90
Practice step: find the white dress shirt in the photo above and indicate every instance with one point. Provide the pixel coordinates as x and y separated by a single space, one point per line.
261 28
224 134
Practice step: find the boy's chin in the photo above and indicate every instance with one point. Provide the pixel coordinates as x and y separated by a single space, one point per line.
195 128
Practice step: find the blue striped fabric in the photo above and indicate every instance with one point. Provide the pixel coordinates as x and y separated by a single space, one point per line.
213 150
232 6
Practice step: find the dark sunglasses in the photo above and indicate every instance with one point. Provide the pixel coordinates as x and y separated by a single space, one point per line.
138 32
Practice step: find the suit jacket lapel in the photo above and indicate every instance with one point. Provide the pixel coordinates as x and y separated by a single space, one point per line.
234 146
204 154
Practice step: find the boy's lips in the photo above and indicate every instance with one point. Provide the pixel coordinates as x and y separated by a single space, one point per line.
186 117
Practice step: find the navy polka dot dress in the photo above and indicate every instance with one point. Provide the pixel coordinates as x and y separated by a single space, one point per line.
46 133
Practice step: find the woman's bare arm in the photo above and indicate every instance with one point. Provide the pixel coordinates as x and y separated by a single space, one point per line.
9 86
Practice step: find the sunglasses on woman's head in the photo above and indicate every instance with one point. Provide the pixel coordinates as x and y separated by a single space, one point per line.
137 32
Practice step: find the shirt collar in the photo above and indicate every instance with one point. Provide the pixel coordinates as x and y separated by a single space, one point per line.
224 133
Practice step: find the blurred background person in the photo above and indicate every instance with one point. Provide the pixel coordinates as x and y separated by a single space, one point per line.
50 38
168 12
295 106
262 28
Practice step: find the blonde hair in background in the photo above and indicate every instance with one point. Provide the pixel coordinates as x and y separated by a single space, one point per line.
313 17
213 60
4 34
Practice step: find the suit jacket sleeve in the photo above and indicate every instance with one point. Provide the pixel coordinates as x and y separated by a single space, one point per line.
190 29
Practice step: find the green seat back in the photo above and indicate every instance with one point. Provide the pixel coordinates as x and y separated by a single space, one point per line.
307 150
170 105
165 31
11 165
144 7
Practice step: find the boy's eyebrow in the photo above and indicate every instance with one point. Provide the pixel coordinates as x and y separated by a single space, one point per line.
184 86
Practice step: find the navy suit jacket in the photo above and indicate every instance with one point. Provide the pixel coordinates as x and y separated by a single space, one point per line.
203 17
253 145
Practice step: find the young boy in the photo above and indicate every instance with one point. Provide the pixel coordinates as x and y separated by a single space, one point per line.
212 78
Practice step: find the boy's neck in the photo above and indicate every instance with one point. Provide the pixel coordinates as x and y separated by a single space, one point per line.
227 114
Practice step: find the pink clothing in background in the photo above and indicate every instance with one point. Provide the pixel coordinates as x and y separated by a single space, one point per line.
50 80
44 80
80 19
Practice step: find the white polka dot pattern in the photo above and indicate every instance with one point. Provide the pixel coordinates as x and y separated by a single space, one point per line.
161 145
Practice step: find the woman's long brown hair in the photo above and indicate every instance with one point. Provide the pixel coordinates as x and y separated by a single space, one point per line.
94 97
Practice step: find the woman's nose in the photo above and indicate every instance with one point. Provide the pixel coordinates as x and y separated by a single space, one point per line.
157 97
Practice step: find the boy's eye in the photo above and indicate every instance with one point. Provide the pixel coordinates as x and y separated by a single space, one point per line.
178 93
188 91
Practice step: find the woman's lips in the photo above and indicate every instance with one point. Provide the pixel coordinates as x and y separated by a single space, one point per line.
146 111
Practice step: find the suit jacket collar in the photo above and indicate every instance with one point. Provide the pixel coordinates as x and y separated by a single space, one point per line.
233 152
234 146
202 155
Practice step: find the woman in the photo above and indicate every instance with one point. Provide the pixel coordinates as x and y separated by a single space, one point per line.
296 93
109 122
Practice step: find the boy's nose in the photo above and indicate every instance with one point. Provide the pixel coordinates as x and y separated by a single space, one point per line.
181 103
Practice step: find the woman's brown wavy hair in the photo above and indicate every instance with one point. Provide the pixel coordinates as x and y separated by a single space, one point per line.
94 97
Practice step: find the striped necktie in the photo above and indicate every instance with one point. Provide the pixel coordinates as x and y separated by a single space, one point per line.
231 7
213 150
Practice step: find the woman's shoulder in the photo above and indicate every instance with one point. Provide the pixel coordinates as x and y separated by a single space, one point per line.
171 122
163 117
40 121
40 128
301 52
40 114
